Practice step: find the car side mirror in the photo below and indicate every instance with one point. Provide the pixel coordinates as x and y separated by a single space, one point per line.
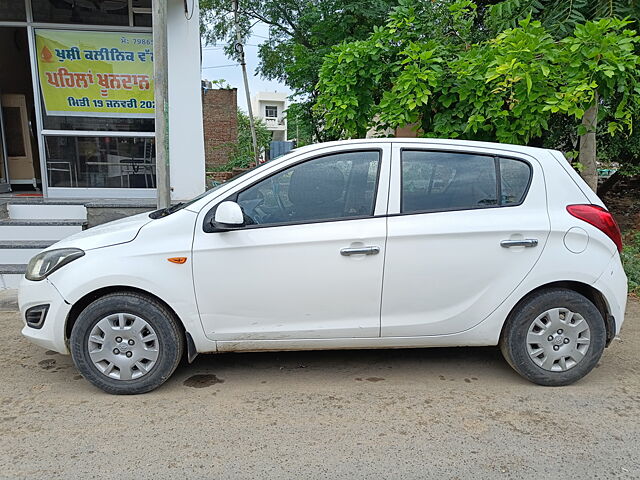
228 216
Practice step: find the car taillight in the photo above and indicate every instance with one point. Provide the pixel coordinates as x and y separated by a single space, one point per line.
599 218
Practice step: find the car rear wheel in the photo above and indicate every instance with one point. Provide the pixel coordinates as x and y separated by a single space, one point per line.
555 337
126 343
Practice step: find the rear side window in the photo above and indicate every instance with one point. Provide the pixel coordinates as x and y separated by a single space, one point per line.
439 181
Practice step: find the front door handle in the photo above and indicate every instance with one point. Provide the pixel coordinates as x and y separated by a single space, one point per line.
527 242
368 250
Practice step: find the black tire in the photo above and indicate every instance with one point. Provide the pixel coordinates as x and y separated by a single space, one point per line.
514 345
170 341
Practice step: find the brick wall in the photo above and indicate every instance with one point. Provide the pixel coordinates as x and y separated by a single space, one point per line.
219 113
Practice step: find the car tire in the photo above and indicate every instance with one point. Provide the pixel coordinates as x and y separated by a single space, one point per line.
554 337
126 343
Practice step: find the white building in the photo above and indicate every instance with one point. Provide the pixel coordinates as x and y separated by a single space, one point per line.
270 108
76 80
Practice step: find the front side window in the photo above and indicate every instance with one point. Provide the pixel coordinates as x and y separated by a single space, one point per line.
439 181
334 186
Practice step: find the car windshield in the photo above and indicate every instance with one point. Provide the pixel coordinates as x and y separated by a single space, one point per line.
163 212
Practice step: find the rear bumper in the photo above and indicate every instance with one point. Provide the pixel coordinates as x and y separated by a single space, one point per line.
613 285
51 334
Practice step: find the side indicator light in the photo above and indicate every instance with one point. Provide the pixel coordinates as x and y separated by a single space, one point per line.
178 260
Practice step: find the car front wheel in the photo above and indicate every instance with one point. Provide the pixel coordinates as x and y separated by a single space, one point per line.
126 343
555 337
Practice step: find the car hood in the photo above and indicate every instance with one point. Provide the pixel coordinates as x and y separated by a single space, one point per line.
107 234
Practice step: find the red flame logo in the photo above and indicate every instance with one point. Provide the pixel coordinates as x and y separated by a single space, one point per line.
46 55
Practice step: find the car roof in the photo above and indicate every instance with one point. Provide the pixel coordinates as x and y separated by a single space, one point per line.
429 141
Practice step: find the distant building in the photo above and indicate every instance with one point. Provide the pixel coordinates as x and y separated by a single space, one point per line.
270 108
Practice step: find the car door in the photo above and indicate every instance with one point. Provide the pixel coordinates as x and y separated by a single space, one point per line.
308 264
465 227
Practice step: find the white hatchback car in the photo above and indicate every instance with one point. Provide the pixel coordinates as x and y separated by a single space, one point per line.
380 243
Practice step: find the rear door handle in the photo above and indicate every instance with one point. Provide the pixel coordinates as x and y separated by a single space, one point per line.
527 242
368 250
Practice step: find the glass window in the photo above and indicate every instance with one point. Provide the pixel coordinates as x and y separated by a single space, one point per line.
142 19
331 187
108 12
271 111
101 162
434 181
12 11
98 124
141 13
514 180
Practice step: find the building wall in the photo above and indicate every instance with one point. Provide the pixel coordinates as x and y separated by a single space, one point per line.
186 143
408 131
220 122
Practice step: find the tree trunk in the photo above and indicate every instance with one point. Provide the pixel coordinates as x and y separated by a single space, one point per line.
587 155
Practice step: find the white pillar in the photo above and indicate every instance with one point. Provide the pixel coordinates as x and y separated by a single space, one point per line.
186 140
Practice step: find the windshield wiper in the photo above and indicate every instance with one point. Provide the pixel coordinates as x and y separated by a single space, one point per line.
173 208
163 212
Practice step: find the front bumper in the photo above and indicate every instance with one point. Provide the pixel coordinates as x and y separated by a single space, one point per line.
51 335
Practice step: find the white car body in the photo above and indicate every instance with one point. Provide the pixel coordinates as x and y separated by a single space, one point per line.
440 278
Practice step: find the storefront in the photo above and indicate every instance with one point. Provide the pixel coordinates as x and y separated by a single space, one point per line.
76 91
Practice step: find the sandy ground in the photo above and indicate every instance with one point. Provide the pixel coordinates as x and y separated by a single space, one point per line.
439 413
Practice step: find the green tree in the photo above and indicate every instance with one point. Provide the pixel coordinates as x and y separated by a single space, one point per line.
242 151
599 62
299 124
301 32
560 17
507 88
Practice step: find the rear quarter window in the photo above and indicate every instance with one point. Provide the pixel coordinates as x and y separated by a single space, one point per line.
515 176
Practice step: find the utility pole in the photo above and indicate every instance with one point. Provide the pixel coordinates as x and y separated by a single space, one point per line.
161 95
239 48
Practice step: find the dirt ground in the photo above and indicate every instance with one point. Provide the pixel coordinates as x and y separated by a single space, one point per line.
439 413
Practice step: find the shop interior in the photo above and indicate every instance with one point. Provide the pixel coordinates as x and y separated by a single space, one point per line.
19 158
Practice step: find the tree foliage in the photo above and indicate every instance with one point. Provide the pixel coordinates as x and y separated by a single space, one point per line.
301 32
560 17
299 125
241 155
506 88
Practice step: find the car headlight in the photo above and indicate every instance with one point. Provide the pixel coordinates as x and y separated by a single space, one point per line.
45 263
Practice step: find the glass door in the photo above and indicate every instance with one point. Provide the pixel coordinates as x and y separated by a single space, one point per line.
5 186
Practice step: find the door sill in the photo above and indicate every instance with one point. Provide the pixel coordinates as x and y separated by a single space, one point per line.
455 340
